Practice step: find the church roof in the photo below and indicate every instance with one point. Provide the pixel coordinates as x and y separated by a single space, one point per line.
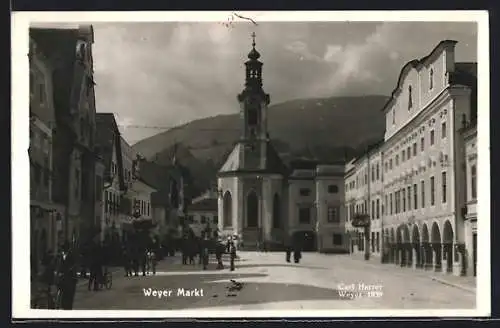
205 205
274 162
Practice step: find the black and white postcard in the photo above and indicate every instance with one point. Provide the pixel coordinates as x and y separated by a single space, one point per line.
250 164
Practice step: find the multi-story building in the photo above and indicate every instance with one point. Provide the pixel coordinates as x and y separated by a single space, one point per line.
203 217
364 196
330 209
108 141
69 52
470 210
45 215
422 159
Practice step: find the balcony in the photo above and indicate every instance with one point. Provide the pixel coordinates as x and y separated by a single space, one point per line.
470 210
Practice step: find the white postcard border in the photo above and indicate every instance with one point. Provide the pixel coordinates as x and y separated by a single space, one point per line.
20 161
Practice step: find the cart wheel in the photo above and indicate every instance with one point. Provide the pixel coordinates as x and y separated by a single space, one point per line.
109 280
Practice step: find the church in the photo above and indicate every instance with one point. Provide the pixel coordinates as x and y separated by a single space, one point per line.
266 202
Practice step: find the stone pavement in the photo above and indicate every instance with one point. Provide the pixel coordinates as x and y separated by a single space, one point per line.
318 282
467 283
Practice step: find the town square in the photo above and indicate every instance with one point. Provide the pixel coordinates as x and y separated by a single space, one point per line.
245 164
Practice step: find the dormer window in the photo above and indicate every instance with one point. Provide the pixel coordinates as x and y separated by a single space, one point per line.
410 100
431 79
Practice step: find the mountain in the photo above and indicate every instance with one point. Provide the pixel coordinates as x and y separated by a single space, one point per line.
325 129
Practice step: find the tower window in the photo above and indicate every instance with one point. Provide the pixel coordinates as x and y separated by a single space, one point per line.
410 100
431 79
252 116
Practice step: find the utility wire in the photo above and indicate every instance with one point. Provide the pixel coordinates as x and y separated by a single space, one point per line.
153 127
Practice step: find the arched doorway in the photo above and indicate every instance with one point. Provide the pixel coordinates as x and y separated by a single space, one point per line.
252 210
399 246
227 209
448 246
415 239
276 212
306 239
392 239
436 245
426 249
407 250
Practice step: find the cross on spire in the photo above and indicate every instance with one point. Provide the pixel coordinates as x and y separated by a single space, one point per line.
253 39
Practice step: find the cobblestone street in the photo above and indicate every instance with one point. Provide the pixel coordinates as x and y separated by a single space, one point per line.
318 282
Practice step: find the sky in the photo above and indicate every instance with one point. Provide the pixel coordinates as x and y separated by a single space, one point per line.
160 75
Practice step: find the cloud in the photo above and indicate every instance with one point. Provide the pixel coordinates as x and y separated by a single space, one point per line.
164 74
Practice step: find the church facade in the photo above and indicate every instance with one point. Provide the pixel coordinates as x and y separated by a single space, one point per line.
266 202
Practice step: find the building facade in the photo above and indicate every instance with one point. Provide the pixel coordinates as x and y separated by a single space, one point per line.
364 196
262 200
69 53
331 211
45 214
421 158
470 210
108 142
203 217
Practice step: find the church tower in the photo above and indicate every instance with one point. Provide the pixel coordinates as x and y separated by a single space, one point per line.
250 183
253 112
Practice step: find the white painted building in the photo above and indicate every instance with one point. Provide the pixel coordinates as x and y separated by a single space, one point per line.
364 195
202 216
422 180
330 209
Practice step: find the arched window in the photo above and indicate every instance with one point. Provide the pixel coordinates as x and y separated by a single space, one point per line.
410 99
227 210
431 79
252 210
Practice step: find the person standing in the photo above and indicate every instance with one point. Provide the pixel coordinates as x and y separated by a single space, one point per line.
297 251
232 255
97 263
228 245
126 261
184 249
68 276
135 260
219 250
204 252
288 249
153 260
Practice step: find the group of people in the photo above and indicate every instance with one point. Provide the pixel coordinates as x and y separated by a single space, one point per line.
135 258
59 271
193 246
294 247
95 257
